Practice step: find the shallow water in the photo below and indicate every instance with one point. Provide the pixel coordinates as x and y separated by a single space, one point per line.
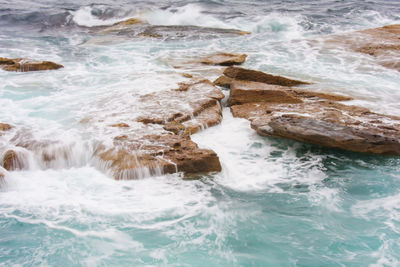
276 202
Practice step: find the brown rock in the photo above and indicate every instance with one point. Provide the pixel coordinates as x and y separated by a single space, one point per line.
180 105
247 92
224 81
163 144
5 127
24 65
135 157
120 125
224 59
325 123
258 76
1 175
128 22
12 161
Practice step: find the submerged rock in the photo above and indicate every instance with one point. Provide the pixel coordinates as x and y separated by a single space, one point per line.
134 28
381 43
25 65
224 59
326 123
255 76
163 144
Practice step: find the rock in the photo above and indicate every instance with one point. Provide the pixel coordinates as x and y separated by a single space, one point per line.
120 125
181 104
224 59
162 144
1 175
5 127
381 43
25 65
134 28
248 92
224 81
156 154
325 123
128 22
258 76
12 161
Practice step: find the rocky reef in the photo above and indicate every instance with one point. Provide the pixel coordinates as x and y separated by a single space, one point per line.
312 117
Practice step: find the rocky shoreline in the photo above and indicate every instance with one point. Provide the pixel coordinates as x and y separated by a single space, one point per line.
276 106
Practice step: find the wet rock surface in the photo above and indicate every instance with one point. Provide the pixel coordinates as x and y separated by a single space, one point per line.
12 160
247 92
165 145
258 76
25 65
325 123
224 59
5 127
383 44
134 28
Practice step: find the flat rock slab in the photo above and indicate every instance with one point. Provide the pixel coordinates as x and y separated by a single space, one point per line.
254 76
133 28
325 123
247 92
381 43
25 65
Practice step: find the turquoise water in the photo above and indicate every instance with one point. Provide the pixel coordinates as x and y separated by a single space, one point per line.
276 202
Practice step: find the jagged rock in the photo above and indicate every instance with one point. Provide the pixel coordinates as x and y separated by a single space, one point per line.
325 123
381 43
5 127
258 76
25 65
182 104
248 92
12 161
224 59
162 144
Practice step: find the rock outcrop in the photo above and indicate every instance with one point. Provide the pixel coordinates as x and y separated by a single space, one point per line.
135 28
381 43
224 59
237 73
315 118
25 65
165 145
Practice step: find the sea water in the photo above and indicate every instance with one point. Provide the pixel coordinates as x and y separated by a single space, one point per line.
275 203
